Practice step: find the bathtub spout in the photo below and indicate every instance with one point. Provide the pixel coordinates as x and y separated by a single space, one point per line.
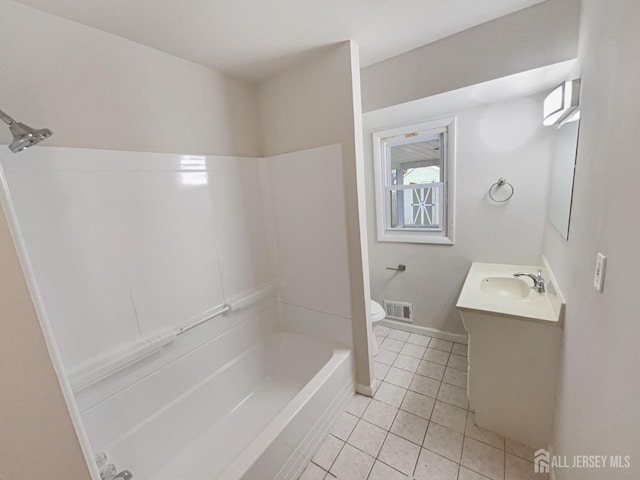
124 475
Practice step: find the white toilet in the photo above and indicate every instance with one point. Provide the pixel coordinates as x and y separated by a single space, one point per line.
377 314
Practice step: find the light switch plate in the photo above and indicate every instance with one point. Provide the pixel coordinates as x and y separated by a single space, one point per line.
598 277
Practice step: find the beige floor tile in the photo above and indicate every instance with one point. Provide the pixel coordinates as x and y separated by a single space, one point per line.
482 458
457 361
382 331
466 474
454 395
391 344
313 472
386 356
412 350
367 437
358 404
390 394
436 356
425 385
407 363
352 464
443 345
399 377
410 427
431 370
455 377
417 339
459 349
328 452
380 370
444 441
432 466
343 426
482 434
418 404
385 472
399 453
380 414
449 416
399 335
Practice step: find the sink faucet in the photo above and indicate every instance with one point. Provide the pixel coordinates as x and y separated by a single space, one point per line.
538 280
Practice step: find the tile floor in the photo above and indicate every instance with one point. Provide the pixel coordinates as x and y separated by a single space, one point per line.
418 425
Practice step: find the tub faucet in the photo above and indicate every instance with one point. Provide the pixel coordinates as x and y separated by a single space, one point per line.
124 475
538 280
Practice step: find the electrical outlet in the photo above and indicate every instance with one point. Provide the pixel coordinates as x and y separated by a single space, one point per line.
598 277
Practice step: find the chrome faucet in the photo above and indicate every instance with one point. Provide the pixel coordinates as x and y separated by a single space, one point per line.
538 280
124 475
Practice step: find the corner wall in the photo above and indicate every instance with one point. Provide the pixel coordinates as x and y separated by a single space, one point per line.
317 103
599 387
93 90
97 90
540 35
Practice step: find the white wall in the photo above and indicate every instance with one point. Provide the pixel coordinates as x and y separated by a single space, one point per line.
540 35
317 103
599 389
505 139
309 218
97 90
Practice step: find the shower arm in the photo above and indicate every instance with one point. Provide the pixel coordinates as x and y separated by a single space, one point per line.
6 118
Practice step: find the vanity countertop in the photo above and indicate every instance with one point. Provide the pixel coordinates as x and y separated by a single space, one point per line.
492 288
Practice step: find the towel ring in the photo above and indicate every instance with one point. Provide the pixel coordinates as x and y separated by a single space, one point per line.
500 183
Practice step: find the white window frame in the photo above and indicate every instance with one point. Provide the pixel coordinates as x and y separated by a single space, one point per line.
381 139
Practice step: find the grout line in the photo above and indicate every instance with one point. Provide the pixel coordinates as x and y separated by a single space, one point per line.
398 409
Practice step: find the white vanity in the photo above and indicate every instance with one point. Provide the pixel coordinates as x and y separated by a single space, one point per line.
515 334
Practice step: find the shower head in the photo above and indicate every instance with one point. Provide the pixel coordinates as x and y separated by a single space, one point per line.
23 135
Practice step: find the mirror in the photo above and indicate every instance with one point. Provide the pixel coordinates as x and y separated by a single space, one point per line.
562 173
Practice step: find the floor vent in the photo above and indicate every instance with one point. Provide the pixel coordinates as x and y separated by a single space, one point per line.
399 310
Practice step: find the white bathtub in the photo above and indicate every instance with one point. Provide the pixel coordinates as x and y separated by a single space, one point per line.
260 416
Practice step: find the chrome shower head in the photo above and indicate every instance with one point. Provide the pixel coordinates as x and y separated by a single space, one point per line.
23 135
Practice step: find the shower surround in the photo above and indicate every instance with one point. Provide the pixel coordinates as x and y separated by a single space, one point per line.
181 291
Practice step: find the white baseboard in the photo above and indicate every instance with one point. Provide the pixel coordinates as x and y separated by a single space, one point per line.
368 390
419 329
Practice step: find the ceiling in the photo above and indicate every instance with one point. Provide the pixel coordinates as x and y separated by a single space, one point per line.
252 39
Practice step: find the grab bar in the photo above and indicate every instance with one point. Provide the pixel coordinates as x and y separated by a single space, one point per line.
225 308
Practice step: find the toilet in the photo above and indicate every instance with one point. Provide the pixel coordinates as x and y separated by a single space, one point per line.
377 314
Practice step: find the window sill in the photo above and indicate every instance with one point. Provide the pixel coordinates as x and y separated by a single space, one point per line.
415 238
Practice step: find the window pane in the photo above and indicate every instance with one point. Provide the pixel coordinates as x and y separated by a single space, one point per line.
417 162
420 207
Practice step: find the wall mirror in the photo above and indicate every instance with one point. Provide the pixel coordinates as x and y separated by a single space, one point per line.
562 174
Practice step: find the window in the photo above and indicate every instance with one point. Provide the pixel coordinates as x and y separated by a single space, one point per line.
414 173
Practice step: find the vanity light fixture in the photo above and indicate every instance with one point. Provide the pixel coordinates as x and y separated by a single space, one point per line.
561 105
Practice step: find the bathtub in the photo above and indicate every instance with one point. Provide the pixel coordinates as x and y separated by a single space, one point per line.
260 416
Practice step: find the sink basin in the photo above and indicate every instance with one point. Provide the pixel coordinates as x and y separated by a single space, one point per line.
505 287
491 288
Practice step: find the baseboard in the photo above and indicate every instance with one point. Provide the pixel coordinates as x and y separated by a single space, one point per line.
368 390
430 332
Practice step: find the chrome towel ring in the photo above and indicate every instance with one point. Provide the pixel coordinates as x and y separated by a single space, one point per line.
500 183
